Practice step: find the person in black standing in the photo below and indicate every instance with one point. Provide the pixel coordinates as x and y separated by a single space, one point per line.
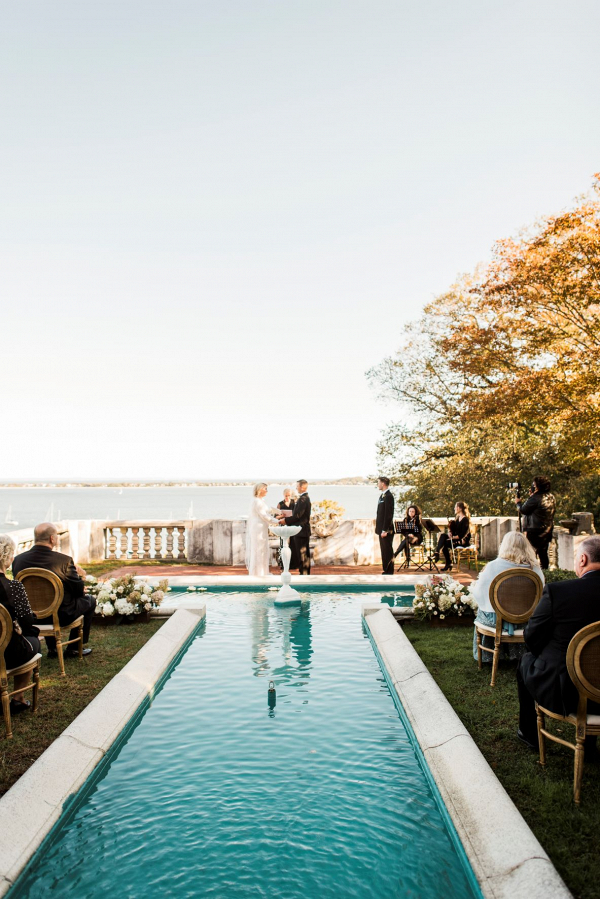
42 555
384 525
538 518
301 516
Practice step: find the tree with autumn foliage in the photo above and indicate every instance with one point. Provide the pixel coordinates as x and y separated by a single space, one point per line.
500 378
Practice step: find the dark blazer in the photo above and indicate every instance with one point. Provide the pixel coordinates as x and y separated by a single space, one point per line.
301 515
385 513
20 649
40 556
281 505
538 512
565 607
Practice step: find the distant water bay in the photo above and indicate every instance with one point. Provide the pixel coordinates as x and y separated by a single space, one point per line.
30 505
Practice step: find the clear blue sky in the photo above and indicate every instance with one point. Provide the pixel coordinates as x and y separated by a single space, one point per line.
216 216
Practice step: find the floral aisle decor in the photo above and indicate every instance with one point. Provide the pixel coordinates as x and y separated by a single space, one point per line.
326 517
443 599
125 597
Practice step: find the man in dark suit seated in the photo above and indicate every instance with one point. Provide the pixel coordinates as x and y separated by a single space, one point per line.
542 675
42 555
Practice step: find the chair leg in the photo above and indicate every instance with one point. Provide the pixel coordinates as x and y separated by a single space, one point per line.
541 723
59 650
495 662
579 749
479 650
35 674
80 642
6 709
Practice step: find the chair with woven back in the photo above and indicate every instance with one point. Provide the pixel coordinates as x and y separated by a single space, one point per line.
470 552
514 594
33 665
583 665
45 592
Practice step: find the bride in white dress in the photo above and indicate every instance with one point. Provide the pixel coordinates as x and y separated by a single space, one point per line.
257 534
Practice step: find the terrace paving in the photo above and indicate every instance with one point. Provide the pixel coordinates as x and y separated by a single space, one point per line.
465 576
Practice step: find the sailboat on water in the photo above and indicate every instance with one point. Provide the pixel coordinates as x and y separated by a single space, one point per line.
9 519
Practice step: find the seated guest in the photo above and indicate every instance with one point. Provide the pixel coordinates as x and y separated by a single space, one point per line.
542 675
75 603
24 643
515 552
459 534
412 534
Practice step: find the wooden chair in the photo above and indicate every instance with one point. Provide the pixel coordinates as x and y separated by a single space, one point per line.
45 592
33 665
514 594
583 665
470 552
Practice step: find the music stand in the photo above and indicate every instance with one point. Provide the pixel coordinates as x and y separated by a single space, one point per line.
431 528
400 527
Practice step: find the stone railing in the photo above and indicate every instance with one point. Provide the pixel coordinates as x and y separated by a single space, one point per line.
159 540
223 541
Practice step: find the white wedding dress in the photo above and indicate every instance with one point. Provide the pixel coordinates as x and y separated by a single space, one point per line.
257 538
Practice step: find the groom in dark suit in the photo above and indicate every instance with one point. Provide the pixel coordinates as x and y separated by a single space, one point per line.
542 675
301 516
384 526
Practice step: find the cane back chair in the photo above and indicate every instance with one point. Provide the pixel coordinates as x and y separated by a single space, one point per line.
514 594
33 665
45 593
583 665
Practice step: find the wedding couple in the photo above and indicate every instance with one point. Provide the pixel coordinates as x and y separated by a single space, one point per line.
261 518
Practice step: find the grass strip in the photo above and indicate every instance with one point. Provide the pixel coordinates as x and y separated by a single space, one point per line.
61 699
544 796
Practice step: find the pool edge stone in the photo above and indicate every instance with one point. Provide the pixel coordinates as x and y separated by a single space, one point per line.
33 805
506 857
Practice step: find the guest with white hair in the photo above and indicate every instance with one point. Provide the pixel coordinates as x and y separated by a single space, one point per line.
515 552
24 643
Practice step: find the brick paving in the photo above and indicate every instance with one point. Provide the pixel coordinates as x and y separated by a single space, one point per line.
465 576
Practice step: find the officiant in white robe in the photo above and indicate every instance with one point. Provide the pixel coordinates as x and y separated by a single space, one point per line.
257 533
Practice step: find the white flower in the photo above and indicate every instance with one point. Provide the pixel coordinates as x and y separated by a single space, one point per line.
191 589
91 579
104 596
148 606
158 596
146 589
107 609
120 589
442 616
122 607
435 613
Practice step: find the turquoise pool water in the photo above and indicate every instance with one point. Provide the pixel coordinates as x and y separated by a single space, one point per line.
219 792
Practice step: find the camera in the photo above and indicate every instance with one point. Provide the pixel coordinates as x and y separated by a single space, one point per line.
516 486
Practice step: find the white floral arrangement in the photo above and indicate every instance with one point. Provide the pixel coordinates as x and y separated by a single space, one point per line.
125 595
444 597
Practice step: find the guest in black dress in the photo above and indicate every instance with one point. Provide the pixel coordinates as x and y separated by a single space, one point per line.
24 643
459 534
287 504
413 532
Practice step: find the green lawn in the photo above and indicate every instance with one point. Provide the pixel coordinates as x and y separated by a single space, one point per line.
544 796
62 699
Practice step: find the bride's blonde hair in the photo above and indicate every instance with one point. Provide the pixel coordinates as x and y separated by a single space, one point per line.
515 547
258 486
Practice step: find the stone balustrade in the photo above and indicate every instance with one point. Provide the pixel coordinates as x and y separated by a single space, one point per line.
223 541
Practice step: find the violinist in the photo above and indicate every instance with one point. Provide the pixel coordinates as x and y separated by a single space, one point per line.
412 532
459 529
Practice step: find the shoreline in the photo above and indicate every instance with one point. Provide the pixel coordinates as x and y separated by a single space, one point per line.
53 485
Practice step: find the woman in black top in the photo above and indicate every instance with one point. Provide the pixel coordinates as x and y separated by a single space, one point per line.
24 643
460 534
412 532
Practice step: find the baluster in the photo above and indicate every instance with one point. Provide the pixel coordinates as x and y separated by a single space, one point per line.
124 547
181 543
146 532
169 553
158 539
135 543
112 543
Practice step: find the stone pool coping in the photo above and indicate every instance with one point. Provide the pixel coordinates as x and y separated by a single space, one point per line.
506 858
32 806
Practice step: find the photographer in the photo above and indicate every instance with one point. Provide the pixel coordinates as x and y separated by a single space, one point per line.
538 513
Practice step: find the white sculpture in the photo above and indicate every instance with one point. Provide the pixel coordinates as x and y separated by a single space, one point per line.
287 595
